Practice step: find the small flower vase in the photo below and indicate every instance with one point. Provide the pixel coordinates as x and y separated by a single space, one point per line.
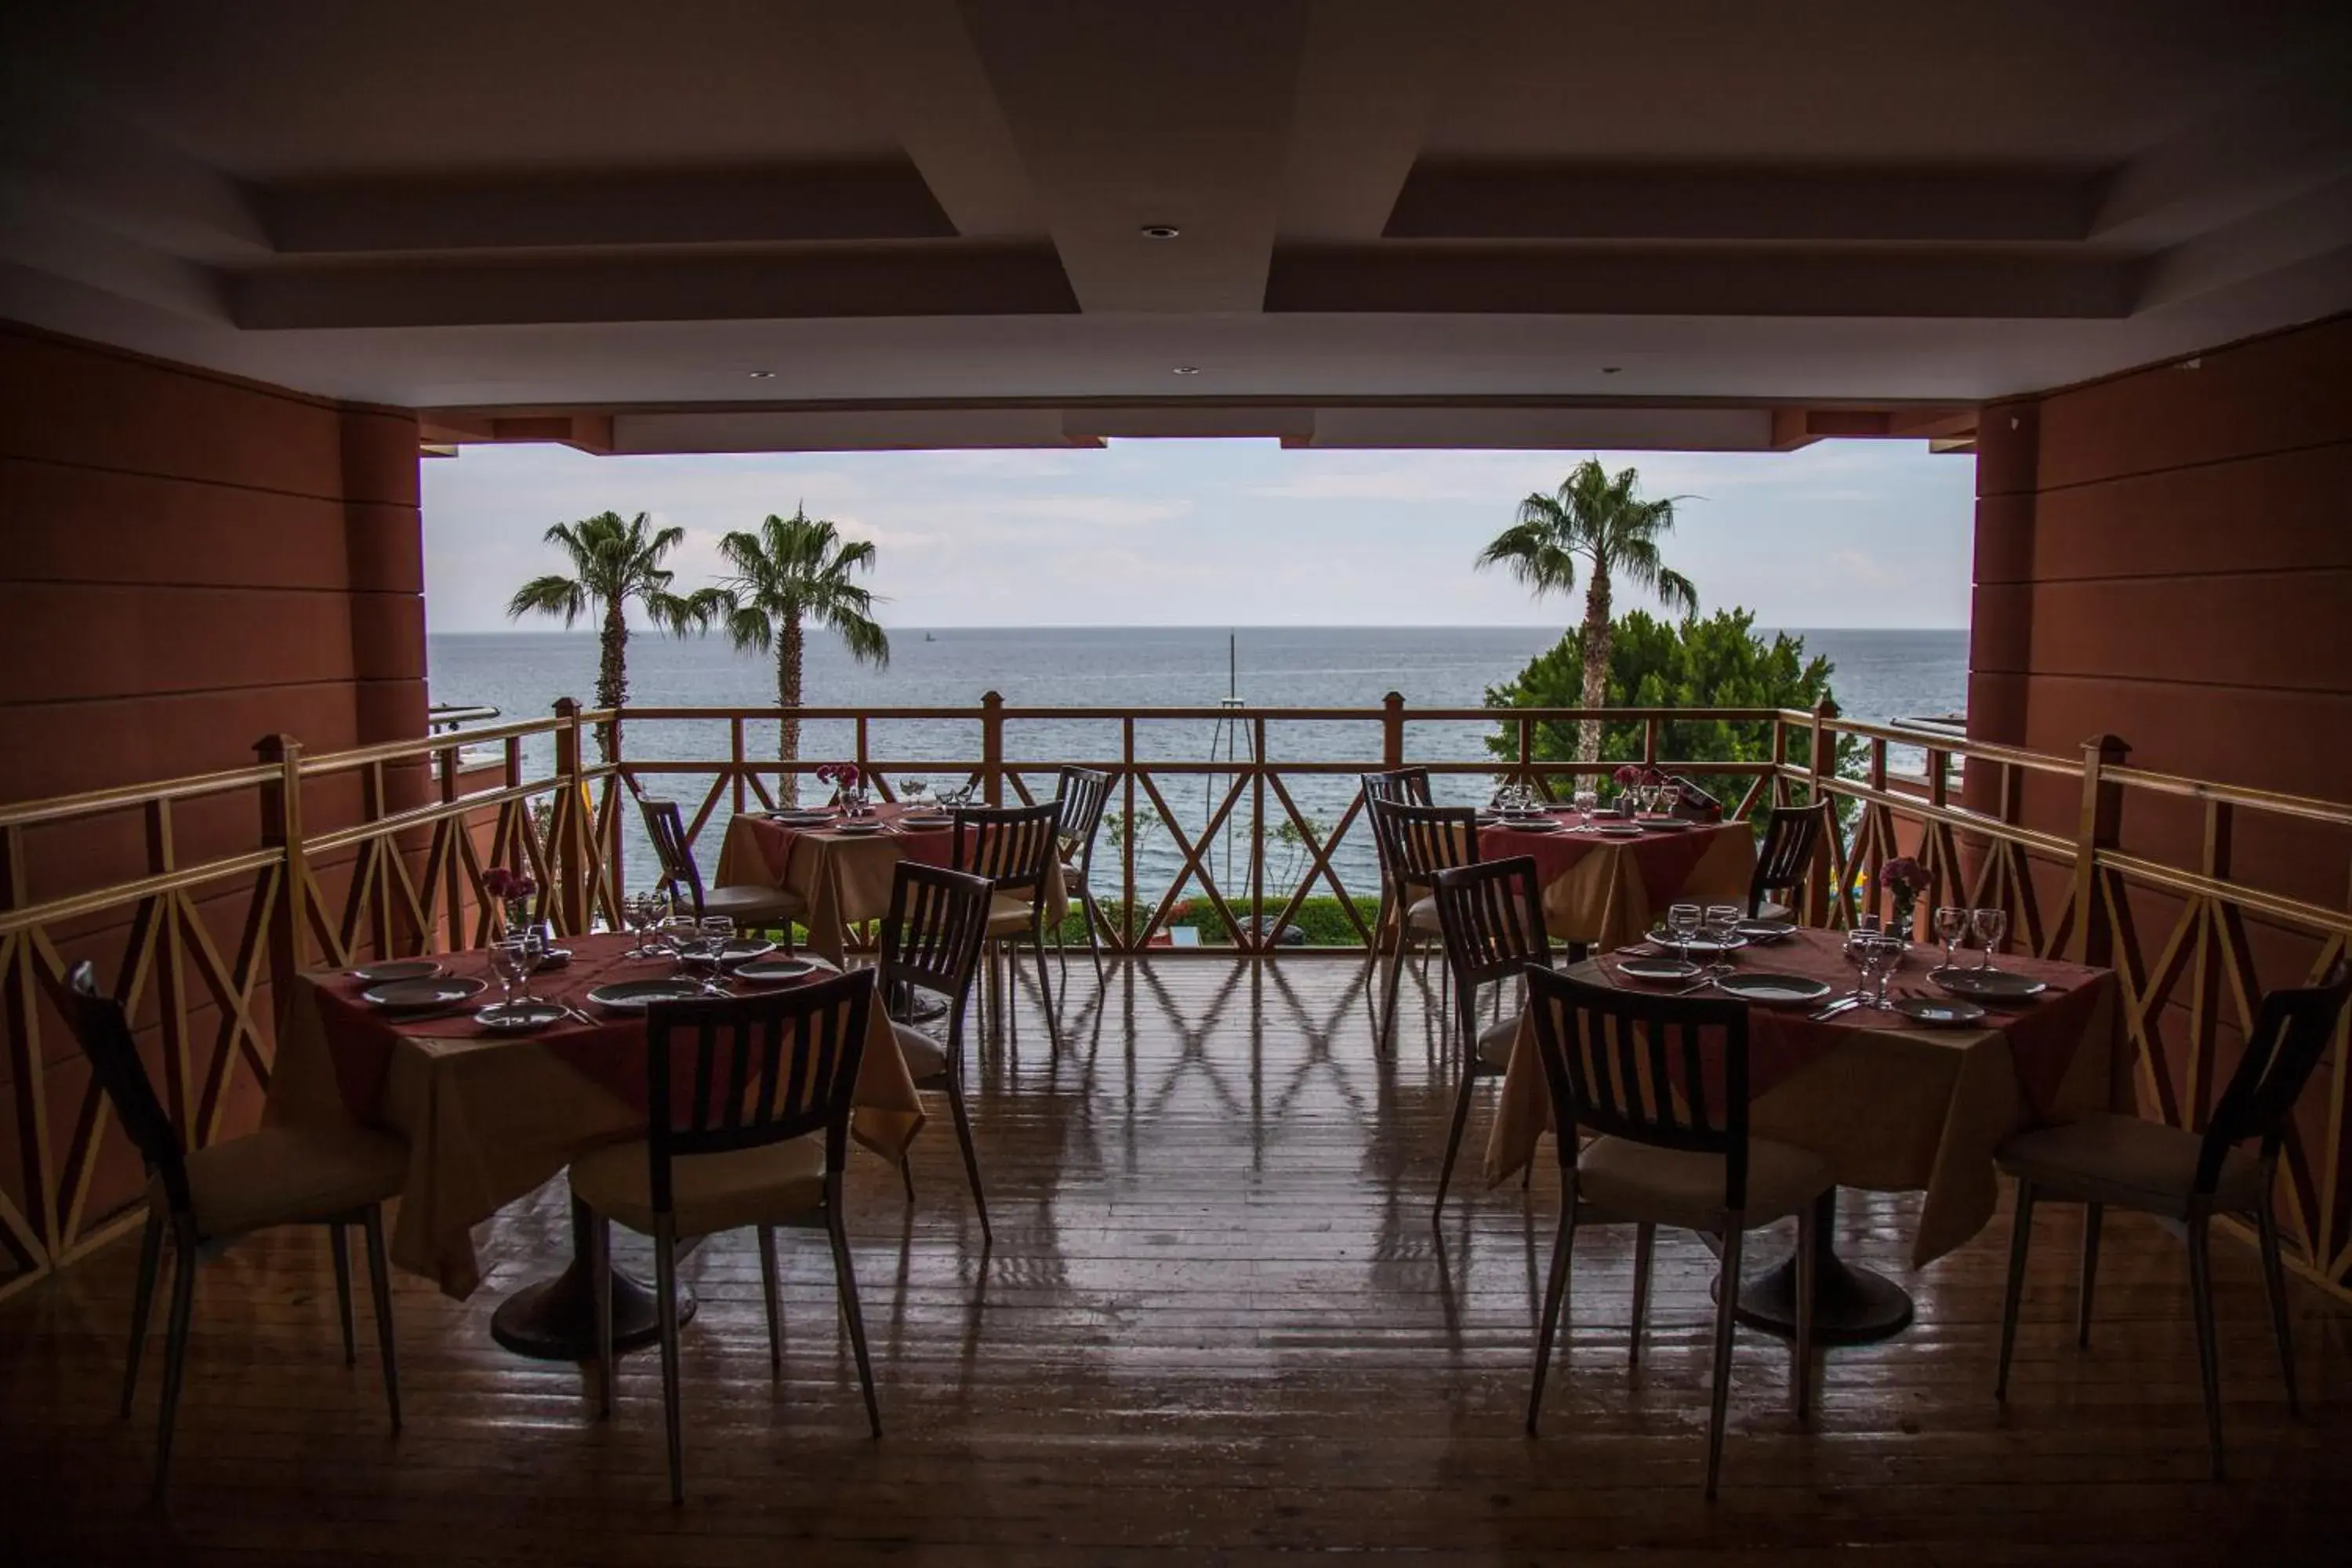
518 916
1906 908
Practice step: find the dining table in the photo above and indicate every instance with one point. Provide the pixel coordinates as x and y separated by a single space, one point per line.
842 872
1895 1105
1604 885
490 1116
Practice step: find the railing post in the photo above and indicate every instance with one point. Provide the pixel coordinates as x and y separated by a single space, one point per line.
1821 764
991 748
1126 838
1392 731
572 904
281 829
1260 938
2101 829
735 763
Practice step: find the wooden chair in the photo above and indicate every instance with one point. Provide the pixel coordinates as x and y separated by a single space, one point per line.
207 1199
931 942
1013 847
2184 1178
1489 916
1792 838
1081 794
759 1141
1417 843
1673 1148
750 906
1405 786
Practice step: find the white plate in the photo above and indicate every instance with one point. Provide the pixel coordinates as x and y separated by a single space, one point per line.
801 819
777 971
402 969
1765 930
1530 824
927 822
436 991
1703 944
636 996
1937 1013
1985 984
1663 824
1619 829
1657 969
859 829
1772 990
521 1017
745 950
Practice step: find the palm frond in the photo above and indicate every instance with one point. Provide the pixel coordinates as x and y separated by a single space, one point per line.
549 595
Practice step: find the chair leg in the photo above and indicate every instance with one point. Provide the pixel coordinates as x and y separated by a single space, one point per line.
2274 1287
150 1259
176 1347
1645 1242
1372 951
600 1285
768 1297
1808 1262
907 1176
1094 941
1384 1031
2093 1214
336 1245
1046 987
2020 1236
379 1288
1727 1305
666 1286
845 1281
1453 1137
2209 1367
1563 1248
971 1156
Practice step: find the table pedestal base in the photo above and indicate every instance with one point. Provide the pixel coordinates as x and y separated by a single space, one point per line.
555 1320
1852 1305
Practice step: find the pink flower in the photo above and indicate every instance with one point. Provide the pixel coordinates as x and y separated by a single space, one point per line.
842 775
498 882
1906 876
1628 773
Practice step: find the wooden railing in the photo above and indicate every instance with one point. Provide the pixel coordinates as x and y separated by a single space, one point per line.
200 897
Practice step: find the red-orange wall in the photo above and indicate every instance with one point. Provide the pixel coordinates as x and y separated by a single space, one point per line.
187 563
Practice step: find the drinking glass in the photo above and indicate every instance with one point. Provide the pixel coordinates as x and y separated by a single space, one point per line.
1991 925
915 792
1952 925
1682 924
674 935
1670 799
1587 800
533 938
1890 949
1861 952
511 962
1723 920
712 935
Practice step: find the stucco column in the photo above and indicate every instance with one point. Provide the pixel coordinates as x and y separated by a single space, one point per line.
383 546
2001 622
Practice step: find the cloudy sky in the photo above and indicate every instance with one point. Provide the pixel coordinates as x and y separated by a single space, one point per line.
1231 532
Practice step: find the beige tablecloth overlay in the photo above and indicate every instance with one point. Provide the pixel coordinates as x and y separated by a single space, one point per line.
490 1119
1895 1108
841 878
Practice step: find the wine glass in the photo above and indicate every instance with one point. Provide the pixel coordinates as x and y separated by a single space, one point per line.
1587 800
674 935
512 962
1723 920
1861 952
1952 926
1670 799
1890 950
712 934
915 792
1991 925
1682 924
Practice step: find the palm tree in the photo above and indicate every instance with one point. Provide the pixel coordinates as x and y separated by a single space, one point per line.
794 572
612 563
1603 522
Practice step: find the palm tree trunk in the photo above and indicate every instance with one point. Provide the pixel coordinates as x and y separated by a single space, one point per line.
1599 636
611 676
788 697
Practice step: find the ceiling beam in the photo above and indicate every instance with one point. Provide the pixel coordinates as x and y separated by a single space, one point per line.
861 201
928 281
1773 282
1862 206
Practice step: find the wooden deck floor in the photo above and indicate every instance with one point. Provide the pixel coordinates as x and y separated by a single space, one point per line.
1216 1326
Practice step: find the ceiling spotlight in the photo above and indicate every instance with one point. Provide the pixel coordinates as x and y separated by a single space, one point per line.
764 375
1610 369
1187 370
1161 231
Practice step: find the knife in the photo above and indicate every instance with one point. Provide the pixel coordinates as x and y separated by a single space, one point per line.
1849 1001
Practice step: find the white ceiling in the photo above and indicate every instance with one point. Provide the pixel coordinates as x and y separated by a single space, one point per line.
1404 221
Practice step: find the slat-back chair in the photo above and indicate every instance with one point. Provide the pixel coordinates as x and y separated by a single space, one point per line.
1490 917
2186 1177
747 1123
750 905
1407 786
931 942
336 1177
1792 835
1081 793
1014 847
1418 841
1673 1148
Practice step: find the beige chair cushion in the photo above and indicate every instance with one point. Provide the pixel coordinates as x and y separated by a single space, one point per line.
2125 1161
1673 1186
745 901
282 1175
1495 1041
1009 914
1766 909
926 1058
773 1185
1422 914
